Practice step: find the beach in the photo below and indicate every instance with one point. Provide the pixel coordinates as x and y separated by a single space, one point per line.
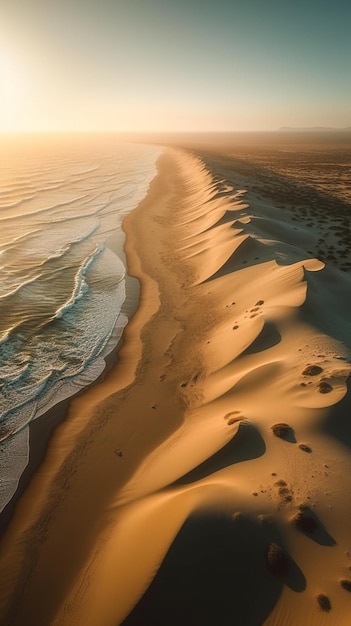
203 478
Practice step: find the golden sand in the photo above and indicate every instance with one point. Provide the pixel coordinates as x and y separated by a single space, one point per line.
167 477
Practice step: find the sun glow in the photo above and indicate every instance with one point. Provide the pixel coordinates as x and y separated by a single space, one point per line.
11 94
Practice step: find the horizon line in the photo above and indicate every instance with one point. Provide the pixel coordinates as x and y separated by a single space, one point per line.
172 132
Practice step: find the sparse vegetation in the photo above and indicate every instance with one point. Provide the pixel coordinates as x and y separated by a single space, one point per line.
284 492
312 370
323 602
303 521
238 516
305 447
345 584
281 430
324 387
276 560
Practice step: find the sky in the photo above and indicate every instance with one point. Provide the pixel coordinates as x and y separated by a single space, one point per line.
174 65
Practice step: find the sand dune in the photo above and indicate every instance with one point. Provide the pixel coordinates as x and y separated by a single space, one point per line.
166 497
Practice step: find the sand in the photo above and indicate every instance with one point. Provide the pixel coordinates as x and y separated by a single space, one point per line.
165 497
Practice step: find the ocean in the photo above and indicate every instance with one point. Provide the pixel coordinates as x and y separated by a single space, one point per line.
62 199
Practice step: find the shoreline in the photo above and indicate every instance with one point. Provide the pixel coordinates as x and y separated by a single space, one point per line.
42 429
167 478
104 156
50 472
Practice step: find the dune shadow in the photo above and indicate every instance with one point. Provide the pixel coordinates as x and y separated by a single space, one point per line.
295 578
216 573
290 437
284 431
307 522
338 422
322 536
229 216
306 206
268 338
249 252
327 305
246 444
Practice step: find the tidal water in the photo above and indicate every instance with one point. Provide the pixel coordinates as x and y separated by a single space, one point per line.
62 285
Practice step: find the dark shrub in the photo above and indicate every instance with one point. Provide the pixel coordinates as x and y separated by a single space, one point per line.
276 560
323 602
324 387
304 522
312 370
346 584
304 447
281 430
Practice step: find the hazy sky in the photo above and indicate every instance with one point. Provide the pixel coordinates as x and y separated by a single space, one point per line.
174 64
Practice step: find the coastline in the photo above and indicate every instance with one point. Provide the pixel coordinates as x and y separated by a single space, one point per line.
171 460
38 370
50 474
42 428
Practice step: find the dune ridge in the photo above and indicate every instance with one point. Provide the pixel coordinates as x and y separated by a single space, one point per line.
166 488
